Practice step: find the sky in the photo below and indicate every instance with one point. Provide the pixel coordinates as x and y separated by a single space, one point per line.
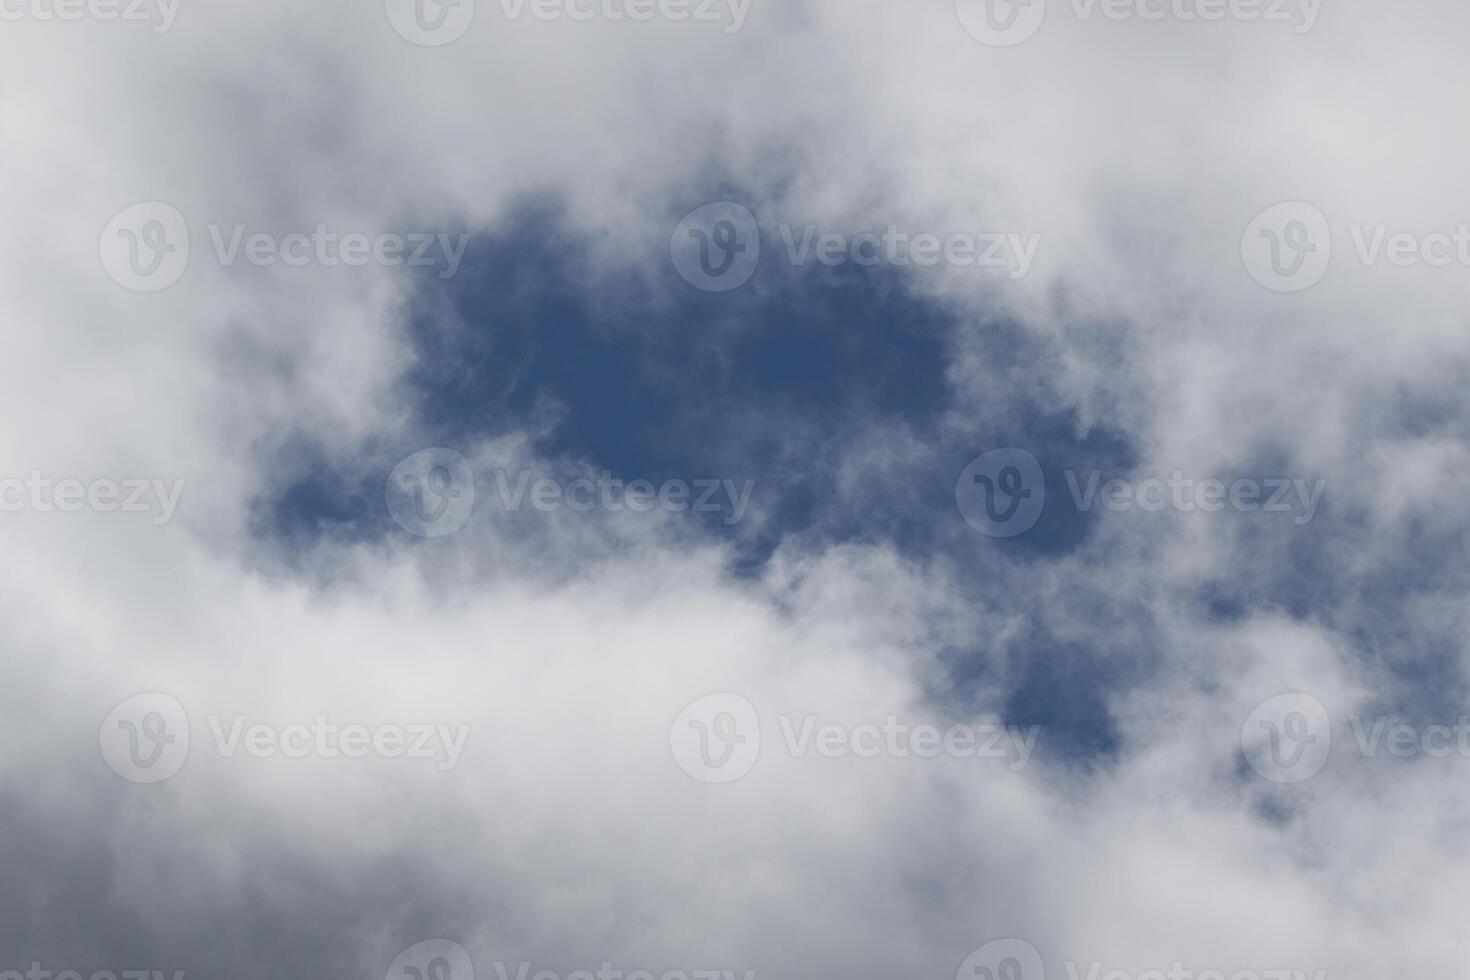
750 489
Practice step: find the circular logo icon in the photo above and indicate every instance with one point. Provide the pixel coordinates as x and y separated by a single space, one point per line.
1287 738
432 959
716 247
716 738
431 493
1003 959
145 739
145 247
1287 247
430 23
1001 493
1001 23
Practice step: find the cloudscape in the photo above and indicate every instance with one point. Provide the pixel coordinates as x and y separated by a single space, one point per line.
734 490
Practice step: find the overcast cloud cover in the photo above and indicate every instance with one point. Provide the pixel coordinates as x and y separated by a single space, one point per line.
1216 732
